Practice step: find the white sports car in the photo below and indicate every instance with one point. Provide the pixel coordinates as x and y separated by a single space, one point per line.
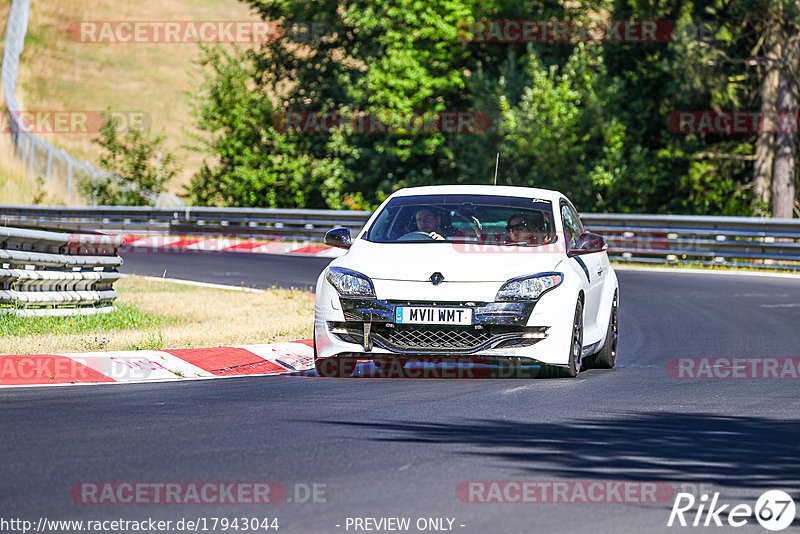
504 274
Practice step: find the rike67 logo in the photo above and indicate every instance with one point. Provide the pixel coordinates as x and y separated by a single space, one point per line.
774 511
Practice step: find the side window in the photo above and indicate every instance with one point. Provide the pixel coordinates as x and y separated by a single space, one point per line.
577 219
572 225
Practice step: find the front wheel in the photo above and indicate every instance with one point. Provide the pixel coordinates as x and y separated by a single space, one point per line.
336 367
607 357
575 348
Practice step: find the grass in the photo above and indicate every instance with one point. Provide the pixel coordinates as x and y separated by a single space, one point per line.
122 318
57 73
158 315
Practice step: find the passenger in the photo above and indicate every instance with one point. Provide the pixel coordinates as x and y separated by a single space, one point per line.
526 228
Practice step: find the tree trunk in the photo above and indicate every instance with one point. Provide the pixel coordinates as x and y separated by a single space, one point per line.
783 176
765 141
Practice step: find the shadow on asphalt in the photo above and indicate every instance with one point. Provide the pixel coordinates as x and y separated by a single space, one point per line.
747 452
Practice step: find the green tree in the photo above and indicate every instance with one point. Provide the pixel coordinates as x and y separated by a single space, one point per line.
254 161
134 175
590 119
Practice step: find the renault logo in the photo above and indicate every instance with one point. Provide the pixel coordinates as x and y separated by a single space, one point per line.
436 278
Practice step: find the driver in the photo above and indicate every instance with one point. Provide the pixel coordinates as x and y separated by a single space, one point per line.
526 228
430 222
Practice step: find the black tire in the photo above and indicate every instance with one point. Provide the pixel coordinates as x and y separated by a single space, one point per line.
576 345
607 357
336 367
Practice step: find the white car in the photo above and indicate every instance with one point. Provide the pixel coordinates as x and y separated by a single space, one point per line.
458 272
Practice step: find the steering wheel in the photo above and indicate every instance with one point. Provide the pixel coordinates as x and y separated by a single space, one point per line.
414 236
474 224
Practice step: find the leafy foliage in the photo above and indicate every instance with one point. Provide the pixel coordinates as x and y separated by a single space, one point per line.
256 164
589 119
135 177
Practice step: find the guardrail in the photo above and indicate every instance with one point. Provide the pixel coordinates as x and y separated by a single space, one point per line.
746 241
743 241
292 224
57 274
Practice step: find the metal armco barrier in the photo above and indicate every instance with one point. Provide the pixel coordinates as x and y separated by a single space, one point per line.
746 241
55 274
293 224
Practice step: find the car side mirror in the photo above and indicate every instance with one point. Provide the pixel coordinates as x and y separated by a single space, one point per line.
588 243
338 237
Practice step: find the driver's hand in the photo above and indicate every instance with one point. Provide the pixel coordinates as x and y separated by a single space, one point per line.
434 235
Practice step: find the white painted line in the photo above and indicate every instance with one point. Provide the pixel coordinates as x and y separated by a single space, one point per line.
795 305
195 283
704 271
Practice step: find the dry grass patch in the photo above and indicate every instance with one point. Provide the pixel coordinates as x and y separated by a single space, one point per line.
57 73
160 315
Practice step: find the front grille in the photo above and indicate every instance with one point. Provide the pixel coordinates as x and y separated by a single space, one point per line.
437 338
433 338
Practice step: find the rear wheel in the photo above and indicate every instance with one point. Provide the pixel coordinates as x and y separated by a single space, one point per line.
336 367
607 357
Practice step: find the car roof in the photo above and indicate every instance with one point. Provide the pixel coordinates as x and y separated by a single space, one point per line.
494 190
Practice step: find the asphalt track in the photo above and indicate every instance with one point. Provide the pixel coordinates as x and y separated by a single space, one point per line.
251 270
401 447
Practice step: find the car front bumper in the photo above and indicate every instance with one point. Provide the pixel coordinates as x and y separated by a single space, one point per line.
523 332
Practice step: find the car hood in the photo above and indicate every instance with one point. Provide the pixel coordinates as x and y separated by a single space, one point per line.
458 262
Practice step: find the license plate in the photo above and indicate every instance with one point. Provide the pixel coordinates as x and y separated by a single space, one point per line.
432 315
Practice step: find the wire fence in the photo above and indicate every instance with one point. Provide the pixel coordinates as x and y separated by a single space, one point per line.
52 164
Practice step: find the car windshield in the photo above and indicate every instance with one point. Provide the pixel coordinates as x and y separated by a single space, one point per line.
485 219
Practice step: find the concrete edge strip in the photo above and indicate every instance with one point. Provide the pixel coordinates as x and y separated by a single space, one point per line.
155 365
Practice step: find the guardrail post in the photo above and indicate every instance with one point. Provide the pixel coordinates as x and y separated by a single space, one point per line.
49 165
94 188
69 180
32 154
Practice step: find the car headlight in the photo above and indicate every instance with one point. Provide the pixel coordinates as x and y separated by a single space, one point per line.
350 283
529 287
